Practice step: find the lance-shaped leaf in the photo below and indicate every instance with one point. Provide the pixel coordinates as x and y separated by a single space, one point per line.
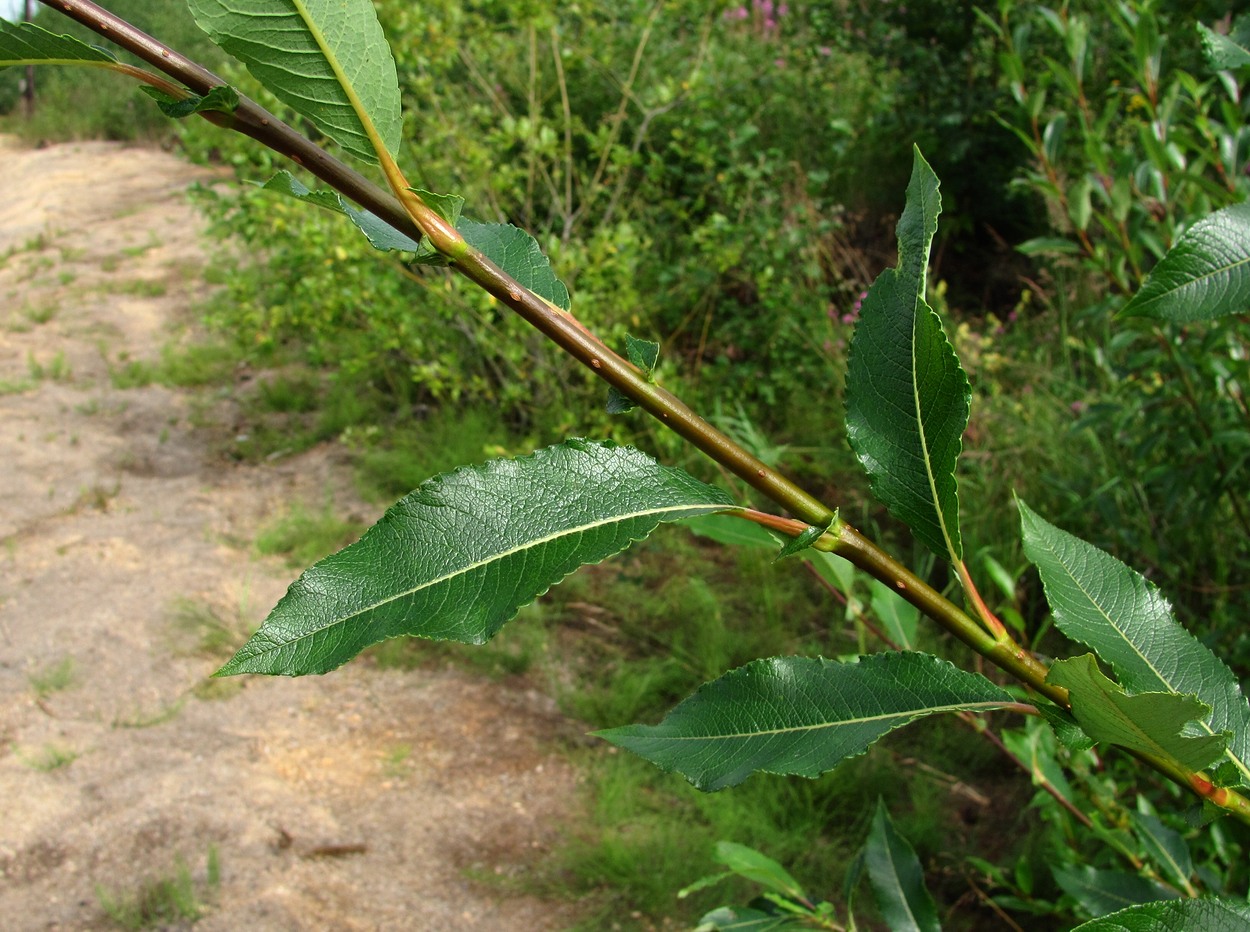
456 558
1205 275
28 44
1209 915
1167 848
800 715
907 397
1152 723
897 879
1102 891
1118 613
327 59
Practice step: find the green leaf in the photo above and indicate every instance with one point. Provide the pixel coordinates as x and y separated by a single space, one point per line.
799 715
457 557
1166 848
1204 276
222 99
907 398
1222 52
327 59
518 254
1123 618
758 868
1035 746
1152 723
381 235
1101 892
447 206
800 542
742 919
28 44
896 878
1065 727
643 354
1207 915
898 617
736 532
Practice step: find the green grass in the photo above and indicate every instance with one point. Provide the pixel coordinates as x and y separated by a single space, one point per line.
205 629
197 365
176 897
53 678
145 719
304 536
49 758
56 369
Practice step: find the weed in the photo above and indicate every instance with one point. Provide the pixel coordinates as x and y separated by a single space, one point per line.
211 689
213 636
50 757
41 314
140 287
56 370
53 678
15 386
66 278
142 719
134 252
158 902
305 536
395 761
97 496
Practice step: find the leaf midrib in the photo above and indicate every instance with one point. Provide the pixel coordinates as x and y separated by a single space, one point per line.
860 720
469 568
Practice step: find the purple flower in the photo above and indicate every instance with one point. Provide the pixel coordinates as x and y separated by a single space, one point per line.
824 50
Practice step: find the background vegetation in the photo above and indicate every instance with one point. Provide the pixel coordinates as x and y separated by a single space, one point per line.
724 178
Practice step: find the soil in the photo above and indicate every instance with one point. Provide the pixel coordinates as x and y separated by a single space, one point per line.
366 799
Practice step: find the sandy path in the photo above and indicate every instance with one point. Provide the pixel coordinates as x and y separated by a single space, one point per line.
353 801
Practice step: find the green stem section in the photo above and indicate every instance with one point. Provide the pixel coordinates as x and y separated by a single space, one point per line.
406 212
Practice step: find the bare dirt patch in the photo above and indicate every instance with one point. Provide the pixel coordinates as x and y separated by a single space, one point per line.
367 799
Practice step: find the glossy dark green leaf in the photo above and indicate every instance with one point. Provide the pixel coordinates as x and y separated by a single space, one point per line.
327 59
1204 915
1122 617
907 397
800 715
1152 723
1205 275
456 558
1104 891
897 879
28 44
518 254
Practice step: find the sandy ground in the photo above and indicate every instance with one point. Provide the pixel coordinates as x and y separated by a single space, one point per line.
366 799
